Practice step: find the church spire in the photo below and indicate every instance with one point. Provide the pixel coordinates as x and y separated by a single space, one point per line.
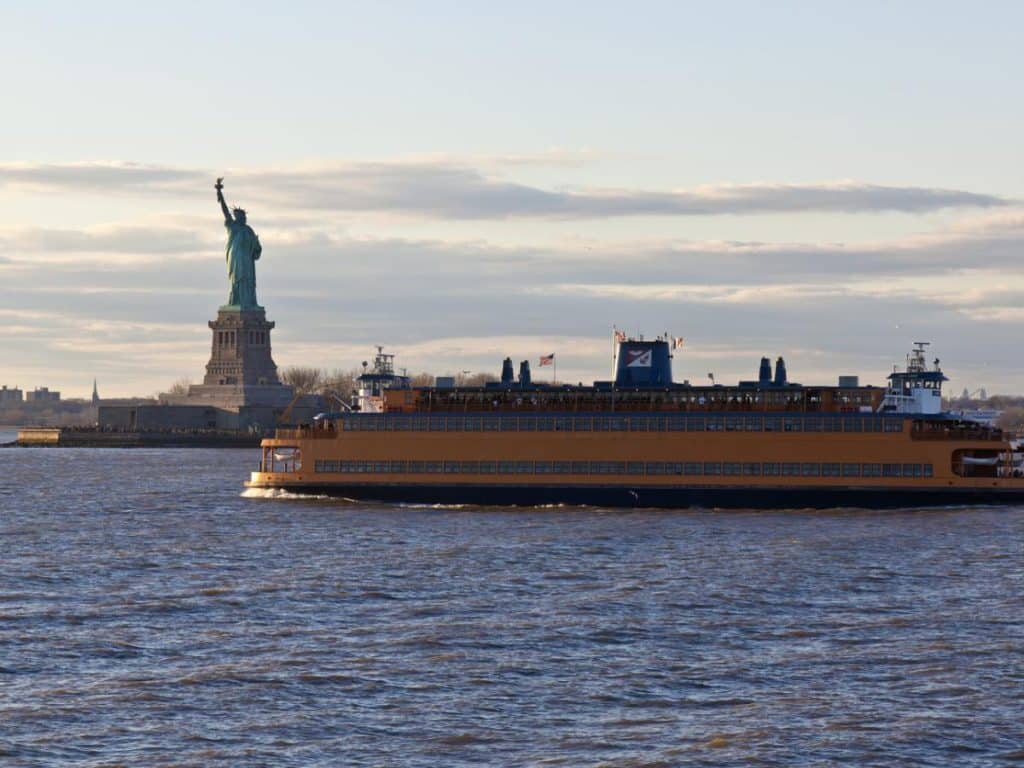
95 393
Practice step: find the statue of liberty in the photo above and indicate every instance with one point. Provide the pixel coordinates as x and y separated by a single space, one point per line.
243 250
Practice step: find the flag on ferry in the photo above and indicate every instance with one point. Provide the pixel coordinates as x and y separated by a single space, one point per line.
619 335
548 359
677 342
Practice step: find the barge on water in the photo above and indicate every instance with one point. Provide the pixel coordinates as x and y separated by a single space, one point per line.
644 441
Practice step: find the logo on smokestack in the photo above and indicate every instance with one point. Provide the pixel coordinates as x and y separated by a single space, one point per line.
638 358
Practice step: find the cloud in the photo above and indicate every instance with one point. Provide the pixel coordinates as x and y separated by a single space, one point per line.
131 239
449 189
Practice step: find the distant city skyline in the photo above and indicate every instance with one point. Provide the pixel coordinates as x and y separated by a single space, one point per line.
824 182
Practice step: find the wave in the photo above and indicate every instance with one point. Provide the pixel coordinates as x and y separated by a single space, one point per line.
278 493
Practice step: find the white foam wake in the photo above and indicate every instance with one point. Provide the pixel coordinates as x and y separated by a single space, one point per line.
279 493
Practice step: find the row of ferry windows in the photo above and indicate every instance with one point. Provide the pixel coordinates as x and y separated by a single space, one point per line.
653 468
645 423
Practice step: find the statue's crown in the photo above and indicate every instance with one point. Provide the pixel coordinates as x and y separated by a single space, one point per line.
238 210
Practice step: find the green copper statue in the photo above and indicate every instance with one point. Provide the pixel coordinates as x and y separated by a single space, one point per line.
243 250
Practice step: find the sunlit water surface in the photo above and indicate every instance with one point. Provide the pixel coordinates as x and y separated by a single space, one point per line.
152 615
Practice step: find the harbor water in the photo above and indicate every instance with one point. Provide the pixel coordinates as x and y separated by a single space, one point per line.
153 614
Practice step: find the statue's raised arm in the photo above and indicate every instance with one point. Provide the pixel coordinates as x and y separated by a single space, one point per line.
219 186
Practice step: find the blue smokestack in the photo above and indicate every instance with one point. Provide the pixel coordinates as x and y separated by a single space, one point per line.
780 372
764 376
643 364
507 374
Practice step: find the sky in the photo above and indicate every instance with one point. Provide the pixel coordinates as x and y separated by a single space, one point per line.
459 182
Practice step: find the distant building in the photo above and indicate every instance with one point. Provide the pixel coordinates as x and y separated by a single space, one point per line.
10 396
95 393
42 395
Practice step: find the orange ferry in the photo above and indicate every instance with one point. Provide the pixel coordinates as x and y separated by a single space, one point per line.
643 441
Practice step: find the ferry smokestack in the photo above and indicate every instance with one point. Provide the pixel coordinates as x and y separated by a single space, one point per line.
780 372
507 374
643 364
524 373
764 376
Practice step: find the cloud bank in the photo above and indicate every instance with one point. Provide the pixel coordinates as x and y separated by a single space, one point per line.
448 189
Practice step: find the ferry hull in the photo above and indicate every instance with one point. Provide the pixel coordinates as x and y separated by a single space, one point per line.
705 497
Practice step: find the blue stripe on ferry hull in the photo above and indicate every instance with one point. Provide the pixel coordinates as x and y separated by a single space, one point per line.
703 497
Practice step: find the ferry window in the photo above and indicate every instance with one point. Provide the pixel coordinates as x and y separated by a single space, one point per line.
871 470
364 466
490 423
771 468
812 425
347 466
891 470
562 467
618 424
772 424
580 468
809 470
638 424
600 423
419 423
433 467
751 469
618 467
506 467
634 468
655 468
471 424
714 424
894 425
509 424
470 467
693 424
731 468
415 467
733 423
562 424
437 423
752 424
926 470
712 468
851 425
872 424
851 470
545 424
318 466
790 468
453 424
398 466
911 470
524 467
791 425
656 424
830 470
581 423
833 425
542 467
527 424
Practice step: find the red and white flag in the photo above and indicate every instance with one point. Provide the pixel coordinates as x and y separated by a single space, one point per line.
677 342
548 359
619 335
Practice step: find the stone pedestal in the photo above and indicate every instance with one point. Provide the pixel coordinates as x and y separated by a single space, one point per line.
241 349
241 372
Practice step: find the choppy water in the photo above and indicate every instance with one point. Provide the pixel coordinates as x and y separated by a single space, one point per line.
150 615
